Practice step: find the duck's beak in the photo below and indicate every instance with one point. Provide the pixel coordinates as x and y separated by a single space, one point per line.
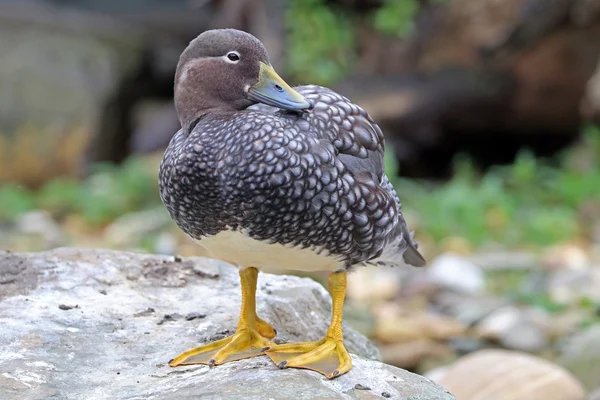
272 90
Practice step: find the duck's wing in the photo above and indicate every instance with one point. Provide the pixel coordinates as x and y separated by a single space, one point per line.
360 145
356 137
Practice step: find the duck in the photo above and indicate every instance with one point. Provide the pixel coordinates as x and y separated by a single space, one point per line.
268 177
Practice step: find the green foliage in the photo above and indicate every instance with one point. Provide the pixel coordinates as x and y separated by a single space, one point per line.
113 191
14 200
396 17
321 42
109 191
60 196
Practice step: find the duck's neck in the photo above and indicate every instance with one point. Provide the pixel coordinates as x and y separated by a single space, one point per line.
192 107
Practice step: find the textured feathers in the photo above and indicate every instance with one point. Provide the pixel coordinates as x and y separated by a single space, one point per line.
312 181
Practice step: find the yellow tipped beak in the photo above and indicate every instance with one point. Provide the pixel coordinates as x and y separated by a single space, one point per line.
272 90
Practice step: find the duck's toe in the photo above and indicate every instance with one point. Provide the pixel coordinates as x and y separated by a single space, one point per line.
327 356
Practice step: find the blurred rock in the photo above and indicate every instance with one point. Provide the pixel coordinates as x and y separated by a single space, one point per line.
565 257
409 327
504 375
514 329
534 283
411 354
374 284
40 224
569 286
126 231
504 260
359 317
581 356
436 373
595 395
499 322
468 310
466 345
525 336
165 243
457 273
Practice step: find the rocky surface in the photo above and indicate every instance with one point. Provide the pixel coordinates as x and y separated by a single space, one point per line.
92 324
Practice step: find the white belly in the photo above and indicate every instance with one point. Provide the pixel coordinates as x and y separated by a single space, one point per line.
242 250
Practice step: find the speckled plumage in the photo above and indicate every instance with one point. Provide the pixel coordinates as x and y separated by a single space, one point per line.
311 180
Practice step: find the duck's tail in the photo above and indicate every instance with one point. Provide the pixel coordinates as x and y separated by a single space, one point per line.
401 250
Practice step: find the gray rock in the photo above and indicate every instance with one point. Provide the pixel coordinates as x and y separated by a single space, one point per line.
457 273
581 356
468 310
569 286
83 324
514 329
505 260
126 231
40 224
595 395
525 336
165 243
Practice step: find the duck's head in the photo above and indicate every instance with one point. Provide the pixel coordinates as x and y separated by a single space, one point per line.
227 70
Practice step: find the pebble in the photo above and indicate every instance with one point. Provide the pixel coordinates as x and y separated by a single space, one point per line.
567 256
403 328
169 318
40 223
595 395
468 310
569 286
165 243
466 345
412 354
126 231
358 386
505 260
194 315
148 311
513 328
580 353
67 306
457 273
373 284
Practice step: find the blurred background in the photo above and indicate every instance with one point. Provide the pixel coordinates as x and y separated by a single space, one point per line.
490 110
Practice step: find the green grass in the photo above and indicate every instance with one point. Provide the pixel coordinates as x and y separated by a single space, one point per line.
109 192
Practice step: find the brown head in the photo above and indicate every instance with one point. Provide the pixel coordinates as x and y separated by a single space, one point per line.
226 70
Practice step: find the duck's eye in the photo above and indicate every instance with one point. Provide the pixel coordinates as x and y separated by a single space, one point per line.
233 56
